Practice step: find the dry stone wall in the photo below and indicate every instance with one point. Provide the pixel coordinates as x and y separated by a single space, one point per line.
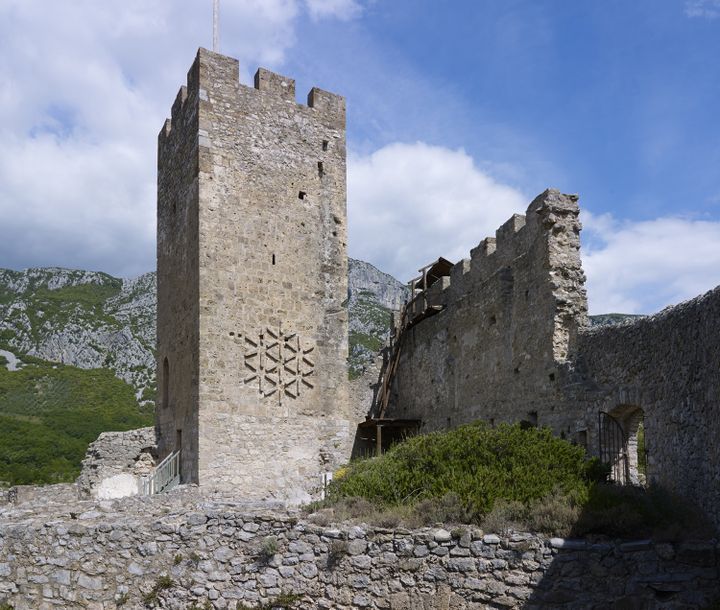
184 550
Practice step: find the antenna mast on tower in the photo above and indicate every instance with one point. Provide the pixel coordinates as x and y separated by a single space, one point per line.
216 26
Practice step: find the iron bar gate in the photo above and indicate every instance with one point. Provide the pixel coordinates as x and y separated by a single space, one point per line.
613 447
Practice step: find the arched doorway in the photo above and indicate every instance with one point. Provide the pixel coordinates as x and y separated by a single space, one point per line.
622 443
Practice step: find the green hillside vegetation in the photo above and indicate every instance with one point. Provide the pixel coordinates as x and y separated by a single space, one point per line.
511 476
49 413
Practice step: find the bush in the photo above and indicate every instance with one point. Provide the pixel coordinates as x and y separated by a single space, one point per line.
505 478
475 463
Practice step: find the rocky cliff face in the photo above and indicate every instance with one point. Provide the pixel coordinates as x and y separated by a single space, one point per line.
386 290
91 320
373 298
84 318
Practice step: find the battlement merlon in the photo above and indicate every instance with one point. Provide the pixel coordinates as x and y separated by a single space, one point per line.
277 84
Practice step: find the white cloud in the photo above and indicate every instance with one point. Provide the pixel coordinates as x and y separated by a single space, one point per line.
84 89
410 203
707 9
640 267
340 9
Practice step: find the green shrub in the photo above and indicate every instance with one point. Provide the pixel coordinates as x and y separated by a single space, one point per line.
509 477
338 549
475 463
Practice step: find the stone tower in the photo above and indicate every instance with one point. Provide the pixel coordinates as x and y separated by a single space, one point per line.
252 283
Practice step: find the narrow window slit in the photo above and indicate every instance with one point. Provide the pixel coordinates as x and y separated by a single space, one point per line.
321 169
273 259
325 144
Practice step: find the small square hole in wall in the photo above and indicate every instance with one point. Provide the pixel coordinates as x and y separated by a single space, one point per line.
493 320
325 144
551 376
302 195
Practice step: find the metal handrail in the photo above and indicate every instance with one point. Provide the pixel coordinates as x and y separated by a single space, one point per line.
165 476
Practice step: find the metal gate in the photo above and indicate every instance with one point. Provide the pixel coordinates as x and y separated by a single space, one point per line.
613 447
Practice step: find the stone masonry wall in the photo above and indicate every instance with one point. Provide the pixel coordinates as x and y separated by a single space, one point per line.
667 368
511 317
178 284
182 551
272 401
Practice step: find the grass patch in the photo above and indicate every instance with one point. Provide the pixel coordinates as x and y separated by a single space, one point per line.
267 550
284 601
162 583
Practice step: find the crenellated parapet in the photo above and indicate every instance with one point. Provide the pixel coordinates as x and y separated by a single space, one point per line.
540 248
214 77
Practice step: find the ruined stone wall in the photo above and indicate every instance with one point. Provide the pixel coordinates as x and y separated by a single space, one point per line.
115 462
668 366
511 316
181 550
272 397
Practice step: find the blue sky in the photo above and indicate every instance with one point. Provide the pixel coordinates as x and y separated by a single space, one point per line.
459 113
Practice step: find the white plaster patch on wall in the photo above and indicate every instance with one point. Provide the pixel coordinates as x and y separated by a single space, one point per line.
118 486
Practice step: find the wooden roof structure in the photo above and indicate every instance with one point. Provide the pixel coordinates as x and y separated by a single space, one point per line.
429 274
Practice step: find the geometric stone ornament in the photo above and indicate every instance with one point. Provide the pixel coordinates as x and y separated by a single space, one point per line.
279 362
